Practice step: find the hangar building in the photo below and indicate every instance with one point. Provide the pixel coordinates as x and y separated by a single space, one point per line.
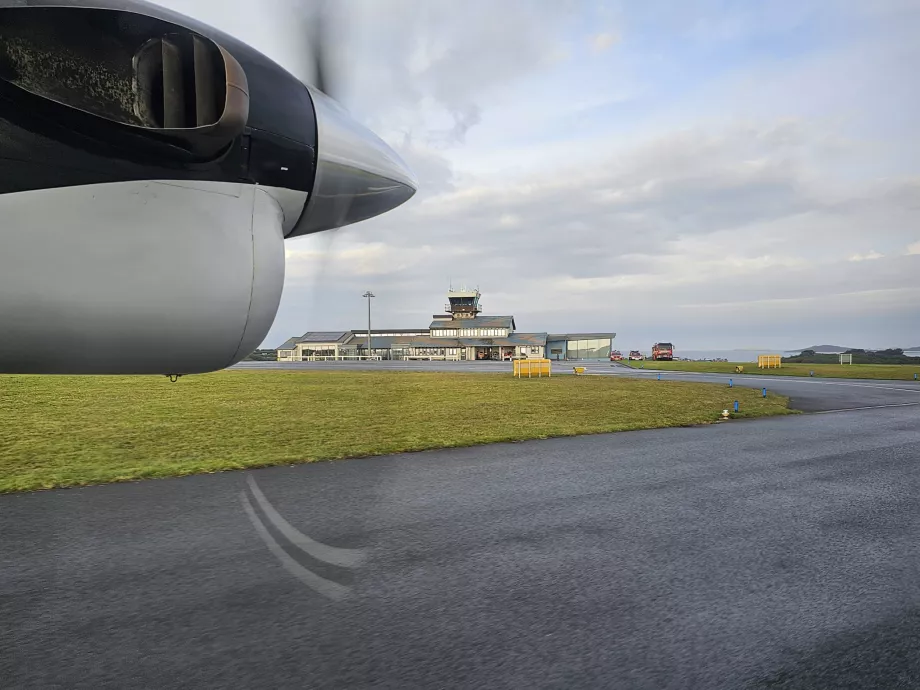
461 333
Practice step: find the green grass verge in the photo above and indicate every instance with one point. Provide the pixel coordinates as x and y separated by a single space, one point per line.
65 431
900 372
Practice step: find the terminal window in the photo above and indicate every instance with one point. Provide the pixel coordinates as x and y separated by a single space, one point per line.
588 349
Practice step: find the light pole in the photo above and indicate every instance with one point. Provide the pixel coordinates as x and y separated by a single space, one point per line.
368 294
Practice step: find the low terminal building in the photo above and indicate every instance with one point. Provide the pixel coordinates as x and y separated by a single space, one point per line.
461 333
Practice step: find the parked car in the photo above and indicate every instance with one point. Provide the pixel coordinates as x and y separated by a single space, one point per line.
636 355
616 356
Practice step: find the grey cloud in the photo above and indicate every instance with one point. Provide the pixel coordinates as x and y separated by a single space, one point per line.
435 50
635 204
464 118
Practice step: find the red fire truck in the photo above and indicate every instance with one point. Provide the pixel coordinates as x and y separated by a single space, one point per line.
662 351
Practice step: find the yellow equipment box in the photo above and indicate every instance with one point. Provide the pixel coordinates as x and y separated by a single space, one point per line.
532 367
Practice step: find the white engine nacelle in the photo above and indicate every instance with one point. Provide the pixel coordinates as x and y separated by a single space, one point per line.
137 277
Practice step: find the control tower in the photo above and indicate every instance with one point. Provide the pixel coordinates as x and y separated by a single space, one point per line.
463 303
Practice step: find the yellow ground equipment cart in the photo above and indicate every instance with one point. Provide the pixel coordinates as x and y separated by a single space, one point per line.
769 361
531 368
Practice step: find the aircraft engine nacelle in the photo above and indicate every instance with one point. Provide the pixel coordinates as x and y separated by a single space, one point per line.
151 168
138 277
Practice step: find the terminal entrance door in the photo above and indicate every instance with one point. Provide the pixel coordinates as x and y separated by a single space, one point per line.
488 353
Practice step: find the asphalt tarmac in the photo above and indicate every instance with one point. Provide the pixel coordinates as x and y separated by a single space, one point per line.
772 553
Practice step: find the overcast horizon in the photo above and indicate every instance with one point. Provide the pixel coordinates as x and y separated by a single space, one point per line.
715 174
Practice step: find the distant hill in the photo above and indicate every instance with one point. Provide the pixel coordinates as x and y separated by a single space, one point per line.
825 349
836 349
827 354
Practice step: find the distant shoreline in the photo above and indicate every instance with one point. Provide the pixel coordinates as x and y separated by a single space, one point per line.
746 355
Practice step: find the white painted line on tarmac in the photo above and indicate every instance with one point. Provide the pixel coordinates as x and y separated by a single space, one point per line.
777 379
870 407
840 383
345 558
328 588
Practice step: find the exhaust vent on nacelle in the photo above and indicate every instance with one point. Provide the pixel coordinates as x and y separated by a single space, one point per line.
128 69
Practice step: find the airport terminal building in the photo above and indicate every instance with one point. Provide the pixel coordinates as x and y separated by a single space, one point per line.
461 333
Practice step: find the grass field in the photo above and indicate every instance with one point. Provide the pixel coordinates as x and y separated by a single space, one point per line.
843 371
65 431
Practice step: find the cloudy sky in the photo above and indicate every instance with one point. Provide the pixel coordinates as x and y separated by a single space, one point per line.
714 173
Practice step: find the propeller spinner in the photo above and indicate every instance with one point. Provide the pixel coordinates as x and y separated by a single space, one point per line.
358 176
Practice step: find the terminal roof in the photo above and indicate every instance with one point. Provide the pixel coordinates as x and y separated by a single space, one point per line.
476 322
